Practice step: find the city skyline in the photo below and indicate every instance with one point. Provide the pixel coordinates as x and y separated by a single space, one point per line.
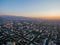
49 9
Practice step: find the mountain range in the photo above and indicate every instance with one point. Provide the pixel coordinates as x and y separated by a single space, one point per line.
5 17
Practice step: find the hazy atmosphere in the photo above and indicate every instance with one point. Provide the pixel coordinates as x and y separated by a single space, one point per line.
29 22
31 8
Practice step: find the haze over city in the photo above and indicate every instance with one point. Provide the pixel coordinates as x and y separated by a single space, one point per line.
49 9
29 22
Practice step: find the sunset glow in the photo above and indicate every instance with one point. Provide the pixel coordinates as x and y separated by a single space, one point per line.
49 9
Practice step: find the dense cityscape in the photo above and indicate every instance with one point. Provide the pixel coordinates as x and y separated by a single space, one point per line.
29 22
26 32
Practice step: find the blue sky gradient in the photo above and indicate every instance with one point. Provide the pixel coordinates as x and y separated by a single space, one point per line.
30 7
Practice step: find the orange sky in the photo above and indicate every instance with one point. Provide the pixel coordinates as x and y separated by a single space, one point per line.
35 15
49 9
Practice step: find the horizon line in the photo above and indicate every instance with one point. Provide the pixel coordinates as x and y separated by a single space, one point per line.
54 18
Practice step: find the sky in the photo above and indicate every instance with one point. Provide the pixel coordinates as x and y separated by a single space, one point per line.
31 8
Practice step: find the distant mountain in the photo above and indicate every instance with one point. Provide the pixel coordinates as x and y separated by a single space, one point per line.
16 18
1 18
5 18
